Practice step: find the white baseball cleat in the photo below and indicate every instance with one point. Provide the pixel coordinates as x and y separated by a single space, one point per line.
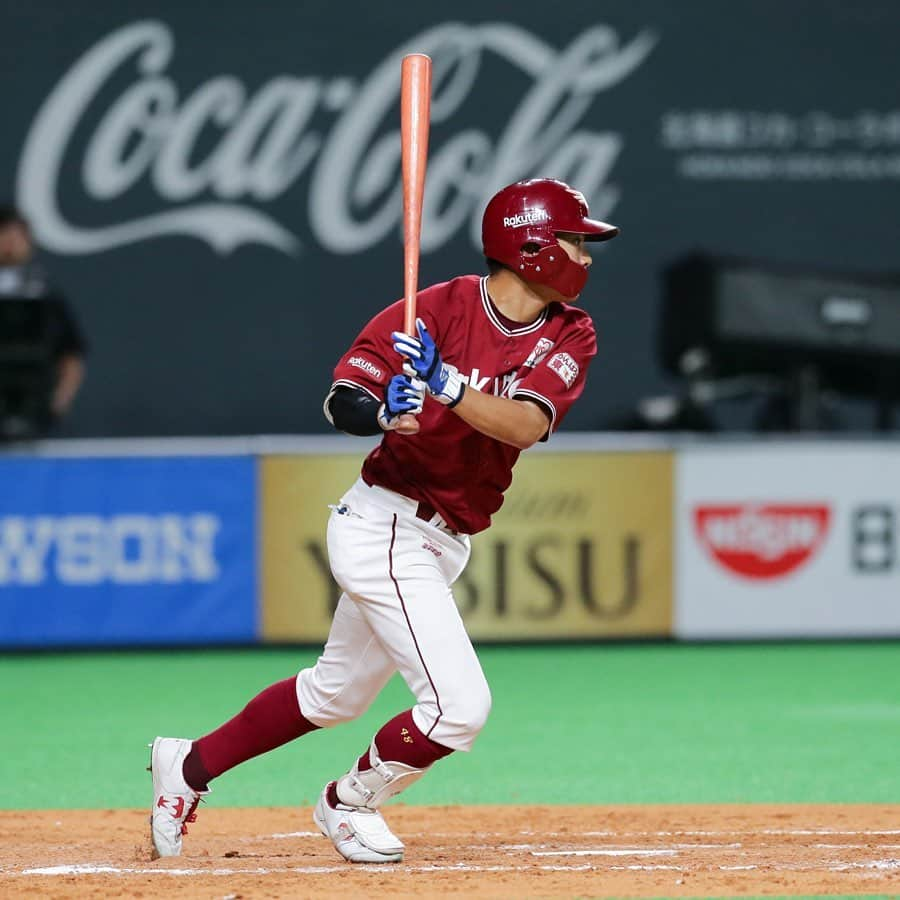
360 835
174 801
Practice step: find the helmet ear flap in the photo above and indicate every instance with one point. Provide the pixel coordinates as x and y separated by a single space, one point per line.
543 266
552 265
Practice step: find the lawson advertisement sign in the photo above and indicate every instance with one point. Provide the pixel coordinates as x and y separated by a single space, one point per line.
127 551
788 540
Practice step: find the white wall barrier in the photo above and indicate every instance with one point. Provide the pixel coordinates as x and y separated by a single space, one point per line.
787 539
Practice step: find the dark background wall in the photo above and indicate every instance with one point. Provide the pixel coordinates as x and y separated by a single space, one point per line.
218 192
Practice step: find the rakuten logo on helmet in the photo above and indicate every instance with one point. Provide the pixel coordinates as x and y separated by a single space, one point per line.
762 541
526 217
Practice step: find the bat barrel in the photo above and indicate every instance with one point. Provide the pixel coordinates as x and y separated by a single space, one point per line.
415 120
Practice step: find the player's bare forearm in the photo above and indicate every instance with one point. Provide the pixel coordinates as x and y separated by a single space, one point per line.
520 423
70 374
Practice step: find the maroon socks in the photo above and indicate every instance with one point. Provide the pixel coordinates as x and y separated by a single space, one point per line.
401 741
273 718
270 719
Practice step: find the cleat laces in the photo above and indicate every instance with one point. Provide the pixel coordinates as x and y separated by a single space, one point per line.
191 815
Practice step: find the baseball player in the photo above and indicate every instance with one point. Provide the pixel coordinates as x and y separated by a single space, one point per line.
494 366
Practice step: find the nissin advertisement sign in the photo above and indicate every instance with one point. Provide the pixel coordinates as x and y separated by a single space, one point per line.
136 551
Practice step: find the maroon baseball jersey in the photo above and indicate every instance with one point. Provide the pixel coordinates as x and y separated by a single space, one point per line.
449 465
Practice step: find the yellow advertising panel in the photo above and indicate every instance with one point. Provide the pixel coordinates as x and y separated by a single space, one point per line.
297 590
582 548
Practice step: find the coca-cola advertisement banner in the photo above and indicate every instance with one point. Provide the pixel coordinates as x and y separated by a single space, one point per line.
217 191
781 540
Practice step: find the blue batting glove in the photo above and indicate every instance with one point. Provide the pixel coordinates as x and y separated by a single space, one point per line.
422 352
403 394
424 361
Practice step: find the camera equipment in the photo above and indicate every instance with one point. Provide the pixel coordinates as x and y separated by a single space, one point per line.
813 330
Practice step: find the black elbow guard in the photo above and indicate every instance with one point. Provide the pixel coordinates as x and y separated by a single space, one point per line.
353 411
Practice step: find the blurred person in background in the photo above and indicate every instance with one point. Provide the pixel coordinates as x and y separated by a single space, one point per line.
42 350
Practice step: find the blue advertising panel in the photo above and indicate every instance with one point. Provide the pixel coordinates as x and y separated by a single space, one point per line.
127 551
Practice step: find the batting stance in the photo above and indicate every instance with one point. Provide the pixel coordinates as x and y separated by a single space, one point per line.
494 366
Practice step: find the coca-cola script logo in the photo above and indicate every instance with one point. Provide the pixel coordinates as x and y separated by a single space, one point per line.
262 143
762 541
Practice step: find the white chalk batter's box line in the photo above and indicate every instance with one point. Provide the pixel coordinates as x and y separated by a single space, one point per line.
670 849
541 850
890 865
613 850
805 832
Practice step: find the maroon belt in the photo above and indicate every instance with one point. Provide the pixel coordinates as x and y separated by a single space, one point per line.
427 512
424 511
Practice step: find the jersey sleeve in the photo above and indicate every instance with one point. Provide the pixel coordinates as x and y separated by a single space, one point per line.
371 360
557 381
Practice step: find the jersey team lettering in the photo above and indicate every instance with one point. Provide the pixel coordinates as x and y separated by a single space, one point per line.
565 367
361 363
526 217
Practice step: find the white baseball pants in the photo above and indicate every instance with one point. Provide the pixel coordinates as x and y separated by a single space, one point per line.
397 613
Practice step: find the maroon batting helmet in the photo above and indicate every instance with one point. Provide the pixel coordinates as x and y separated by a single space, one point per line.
520 226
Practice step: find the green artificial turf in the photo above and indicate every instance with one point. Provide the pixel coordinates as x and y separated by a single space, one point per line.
598 724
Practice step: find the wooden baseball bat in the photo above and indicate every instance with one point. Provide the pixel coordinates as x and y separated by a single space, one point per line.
415 119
